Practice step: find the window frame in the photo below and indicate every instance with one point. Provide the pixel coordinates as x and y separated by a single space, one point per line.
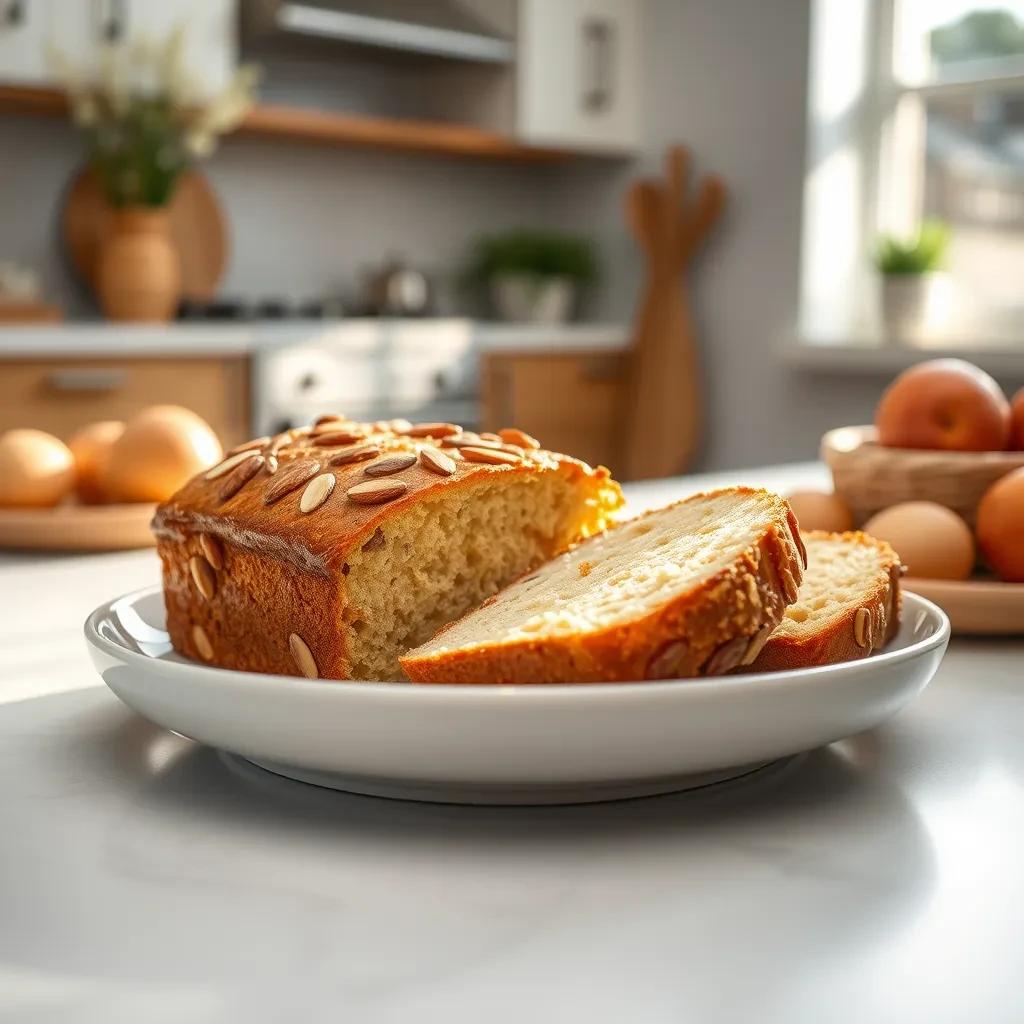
881 127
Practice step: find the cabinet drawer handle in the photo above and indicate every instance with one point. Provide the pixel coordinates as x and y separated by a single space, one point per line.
598 61
90 380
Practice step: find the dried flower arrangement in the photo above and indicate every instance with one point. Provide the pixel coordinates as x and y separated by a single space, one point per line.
144 118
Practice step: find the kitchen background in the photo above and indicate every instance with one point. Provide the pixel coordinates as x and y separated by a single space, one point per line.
731 80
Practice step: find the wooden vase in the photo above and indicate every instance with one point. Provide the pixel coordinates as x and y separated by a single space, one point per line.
139 271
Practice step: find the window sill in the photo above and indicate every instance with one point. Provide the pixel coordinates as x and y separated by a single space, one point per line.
874 356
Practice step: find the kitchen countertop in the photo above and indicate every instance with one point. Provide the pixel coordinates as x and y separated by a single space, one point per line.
239 338
143 877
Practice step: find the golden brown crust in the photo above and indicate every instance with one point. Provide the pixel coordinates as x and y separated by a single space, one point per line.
708 630
840 639
284 570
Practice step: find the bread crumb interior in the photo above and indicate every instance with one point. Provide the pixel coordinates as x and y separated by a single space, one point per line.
834 581
446 555
631 571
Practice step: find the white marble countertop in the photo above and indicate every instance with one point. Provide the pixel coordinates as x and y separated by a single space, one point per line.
235 338
145 878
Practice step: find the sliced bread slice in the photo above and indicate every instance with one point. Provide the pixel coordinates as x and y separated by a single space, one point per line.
848 606
691 589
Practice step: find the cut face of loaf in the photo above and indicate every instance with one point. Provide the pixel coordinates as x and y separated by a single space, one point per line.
334 551
848 605
692 589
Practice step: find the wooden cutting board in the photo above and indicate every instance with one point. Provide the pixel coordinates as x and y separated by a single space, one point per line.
198 229
663 399
74 527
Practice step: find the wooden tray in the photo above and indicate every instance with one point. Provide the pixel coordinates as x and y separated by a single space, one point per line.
197 228
981 607
74 527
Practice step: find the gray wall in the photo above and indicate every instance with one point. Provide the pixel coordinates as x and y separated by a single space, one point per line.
728 79
725 77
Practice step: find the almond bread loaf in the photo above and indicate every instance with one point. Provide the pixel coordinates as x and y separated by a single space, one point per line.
847 608
692 589
327 551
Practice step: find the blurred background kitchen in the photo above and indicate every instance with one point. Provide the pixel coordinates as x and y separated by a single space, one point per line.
660 234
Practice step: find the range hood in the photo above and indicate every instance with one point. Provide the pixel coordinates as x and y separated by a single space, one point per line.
438 28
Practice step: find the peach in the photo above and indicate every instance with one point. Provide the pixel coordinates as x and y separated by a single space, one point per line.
946 404
1000 526
91 447
1017 421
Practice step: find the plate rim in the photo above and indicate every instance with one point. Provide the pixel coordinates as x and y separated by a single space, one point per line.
547 692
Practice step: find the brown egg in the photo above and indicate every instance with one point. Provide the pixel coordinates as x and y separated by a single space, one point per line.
1001 527
36 469
161 448
91 447
821 510
933 542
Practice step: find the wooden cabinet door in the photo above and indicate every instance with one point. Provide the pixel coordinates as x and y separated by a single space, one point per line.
61 395
578 81
570 403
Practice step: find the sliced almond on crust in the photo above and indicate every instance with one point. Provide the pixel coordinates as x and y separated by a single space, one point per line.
293 476
665 662
240 476
391 464
256 442
490 456
202 642
727 656
359 453
303 656
317 491
376 492
203 576
756 644
789 586
437 462
227 465
512 435
212 549
862 627
335 438
438 430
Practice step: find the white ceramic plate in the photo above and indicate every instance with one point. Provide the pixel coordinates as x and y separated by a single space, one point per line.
507 744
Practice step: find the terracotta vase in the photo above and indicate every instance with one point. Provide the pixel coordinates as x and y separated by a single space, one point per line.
139 271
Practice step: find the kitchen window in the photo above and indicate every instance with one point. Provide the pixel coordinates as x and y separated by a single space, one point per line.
916 112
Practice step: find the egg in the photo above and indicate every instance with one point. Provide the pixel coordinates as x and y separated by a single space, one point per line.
91 447
933 542
36 469
821 510
160 449
1001 527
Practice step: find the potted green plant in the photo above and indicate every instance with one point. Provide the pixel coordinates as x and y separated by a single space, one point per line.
145 123
914 288
533 276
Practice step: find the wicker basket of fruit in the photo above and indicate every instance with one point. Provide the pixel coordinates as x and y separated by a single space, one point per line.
870 476
940 476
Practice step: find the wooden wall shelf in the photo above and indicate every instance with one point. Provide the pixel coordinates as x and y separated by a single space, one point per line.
319 126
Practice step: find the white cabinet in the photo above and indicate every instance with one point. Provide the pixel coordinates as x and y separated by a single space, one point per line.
210 34
79 28
23 30
578 76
